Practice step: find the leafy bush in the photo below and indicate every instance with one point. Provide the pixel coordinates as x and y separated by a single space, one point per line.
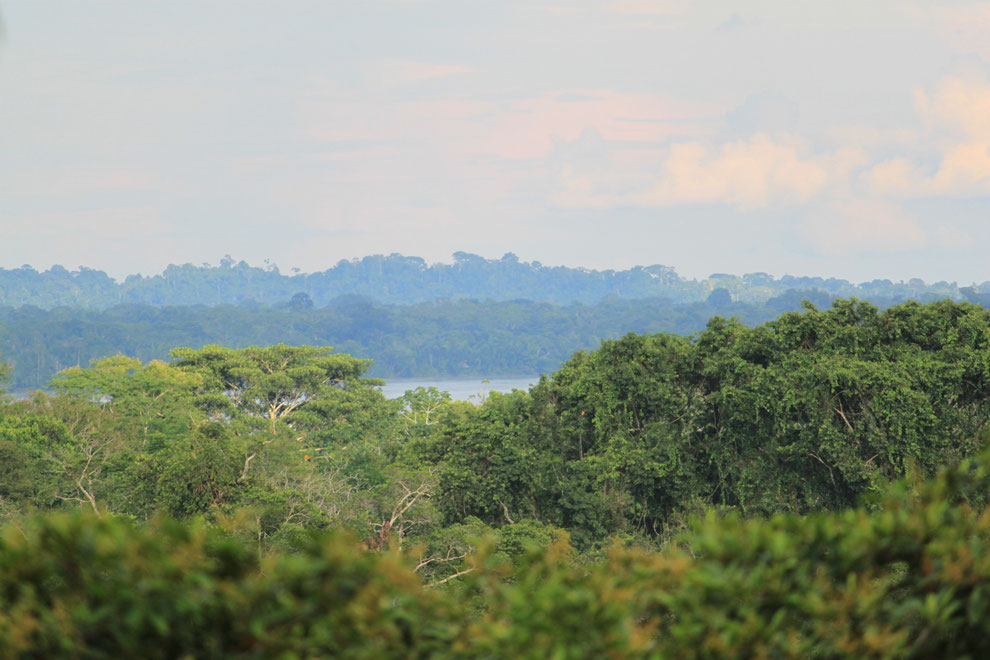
911 579
78 585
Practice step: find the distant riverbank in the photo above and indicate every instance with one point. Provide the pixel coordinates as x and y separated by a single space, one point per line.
461 389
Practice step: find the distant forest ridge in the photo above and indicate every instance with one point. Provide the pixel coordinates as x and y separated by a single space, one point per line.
398 279
445 338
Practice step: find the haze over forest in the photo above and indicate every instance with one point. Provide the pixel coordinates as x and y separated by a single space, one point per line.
475 318
398 279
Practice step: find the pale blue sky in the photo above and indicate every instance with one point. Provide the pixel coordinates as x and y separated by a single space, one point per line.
840 138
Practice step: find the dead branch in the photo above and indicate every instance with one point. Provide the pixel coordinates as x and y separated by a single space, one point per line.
451 577
505 511
447 558
827 467
844 418
247 466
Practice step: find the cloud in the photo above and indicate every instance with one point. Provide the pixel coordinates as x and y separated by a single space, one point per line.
957 116
849 193
747 174
862 225
897 177
959 103
965 171
522 128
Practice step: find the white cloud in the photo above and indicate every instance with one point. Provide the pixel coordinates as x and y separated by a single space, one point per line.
747 174
897 177
957 116
958 103
965 171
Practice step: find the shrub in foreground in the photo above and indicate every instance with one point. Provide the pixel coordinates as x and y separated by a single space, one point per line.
910 579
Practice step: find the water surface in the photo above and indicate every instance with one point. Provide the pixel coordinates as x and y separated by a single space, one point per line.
461 389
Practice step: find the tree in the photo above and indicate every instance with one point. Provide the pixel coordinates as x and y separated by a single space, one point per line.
5 370
491 468
18 472
152 401
270 382
62 466
719 297
423 407
300 302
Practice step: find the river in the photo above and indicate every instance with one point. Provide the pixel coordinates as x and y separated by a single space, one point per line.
461 389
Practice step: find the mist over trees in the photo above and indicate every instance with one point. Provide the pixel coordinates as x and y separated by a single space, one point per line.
444 338
475 317
398 279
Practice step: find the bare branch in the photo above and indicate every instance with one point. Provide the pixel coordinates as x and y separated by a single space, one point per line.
247 466
844 418
408 500
505 510
451 577
827 467
448 558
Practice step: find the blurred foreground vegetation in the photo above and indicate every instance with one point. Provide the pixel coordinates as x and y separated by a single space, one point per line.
909 579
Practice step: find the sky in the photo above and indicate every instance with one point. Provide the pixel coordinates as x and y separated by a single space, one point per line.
841 138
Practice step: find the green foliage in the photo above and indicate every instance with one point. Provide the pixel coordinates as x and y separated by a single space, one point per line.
269 382
812 411
201 474
422 408
105 588
186 439
5 370
908 580
488 468
43 461
549 523
352 413
486 338
152 401
18 473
